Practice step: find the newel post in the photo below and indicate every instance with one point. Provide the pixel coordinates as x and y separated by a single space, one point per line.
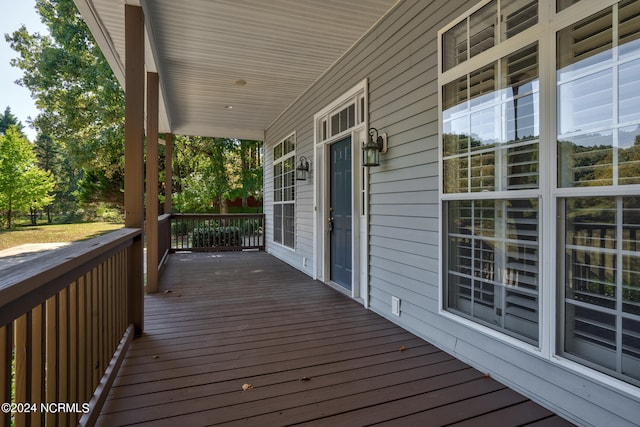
152 182
134 157
168 168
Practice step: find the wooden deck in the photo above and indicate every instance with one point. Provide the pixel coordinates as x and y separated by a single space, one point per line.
310 355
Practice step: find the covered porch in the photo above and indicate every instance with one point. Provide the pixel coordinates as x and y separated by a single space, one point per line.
230 337
304 353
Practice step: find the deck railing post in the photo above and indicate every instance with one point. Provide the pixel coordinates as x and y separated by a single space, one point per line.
134 158
168 167
152 182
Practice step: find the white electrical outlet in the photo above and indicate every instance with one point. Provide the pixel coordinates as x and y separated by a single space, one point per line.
395 306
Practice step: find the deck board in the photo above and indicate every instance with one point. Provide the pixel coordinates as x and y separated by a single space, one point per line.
312 355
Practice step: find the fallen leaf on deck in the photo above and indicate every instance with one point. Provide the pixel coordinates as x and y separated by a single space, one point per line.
486 376
155 357
168 291
304 379
246 387
403 348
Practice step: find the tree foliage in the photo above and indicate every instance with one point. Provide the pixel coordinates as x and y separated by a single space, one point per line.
210 171
23 185
8 119
81 124
81 101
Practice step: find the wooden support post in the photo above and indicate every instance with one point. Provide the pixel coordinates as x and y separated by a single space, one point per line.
133 156
168 169
152 182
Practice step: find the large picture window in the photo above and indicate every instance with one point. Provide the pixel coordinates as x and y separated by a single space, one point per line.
490 147
500 197
284 190
598 103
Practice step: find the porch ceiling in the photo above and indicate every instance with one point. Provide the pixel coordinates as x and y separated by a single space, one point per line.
204 50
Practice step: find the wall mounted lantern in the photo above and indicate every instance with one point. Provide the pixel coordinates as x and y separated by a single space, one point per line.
302 169
371 151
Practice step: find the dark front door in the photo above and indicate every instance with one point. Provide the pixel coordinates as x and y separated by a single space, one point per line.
340 213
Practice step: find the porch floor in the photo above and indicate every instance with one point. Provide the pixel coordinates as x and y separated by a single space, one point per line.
311 355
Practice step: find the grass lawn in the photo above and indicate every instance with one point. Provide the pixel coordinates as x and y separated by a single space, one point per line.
52 233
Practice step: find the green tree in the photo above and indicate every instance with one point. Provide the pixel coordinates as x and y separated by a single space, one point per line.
23 186
81 101
8 119
210 171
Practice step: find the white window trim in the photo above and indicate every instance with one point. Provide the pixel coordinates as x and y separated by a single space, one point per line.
281 159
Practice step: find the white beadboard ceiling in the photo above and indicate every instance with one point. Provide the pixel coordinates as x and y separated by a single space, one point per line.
204 50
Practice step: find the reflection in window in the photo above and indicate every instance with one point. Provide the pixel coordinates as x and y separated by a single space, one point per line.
491 126
492 264
599 100
480 30
601 282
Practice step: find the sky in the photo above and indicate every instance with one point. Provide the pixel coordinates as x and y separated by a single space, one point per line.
14 14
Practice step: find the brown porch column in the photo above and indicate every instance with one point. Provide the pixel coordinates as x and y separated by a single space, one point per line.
133 156
152 182
168 169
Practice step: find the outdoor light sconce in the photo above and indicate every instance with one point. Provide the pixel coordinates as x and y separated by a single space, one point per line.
371 150
302 169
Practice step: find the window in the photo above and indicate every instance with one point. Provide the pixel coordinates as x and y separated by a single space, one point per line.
480 30
598 145
343 120
493 139
601 277
563 4
284 192
490 147
492 263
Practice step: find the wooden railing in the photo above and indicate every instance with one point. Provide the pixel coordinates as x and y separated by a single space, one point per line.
217 232
65 322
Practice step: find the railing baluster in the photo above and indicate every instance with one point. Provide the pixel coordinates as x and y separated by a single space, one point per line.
21 360
51 371
73 348
95 329
83 359
38 349
6 347
63 352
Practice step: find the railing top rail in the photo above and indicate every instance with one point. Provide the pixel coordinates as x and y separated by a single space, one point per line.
48 274
214 215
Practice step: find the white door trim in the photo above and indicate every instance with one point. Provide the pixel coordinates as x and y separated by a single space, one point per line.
359 285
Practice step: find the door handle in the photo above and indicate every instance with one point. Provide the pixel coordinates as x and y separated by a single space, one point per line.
330 223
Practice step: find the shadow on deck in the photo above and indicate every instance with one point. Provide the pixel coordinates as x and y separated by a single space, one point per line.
311 355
